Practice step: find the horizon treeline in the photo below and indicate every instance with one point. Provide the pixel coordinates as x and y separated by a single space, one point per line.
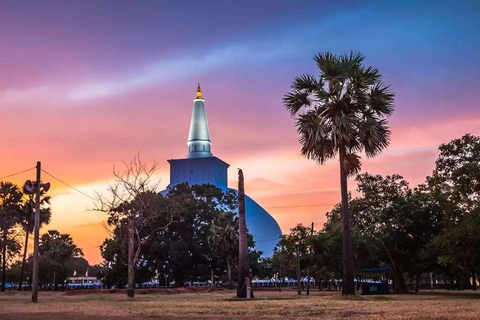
414 231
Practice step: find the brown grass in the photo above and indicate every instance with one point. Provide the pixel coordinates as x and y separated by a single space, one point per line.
223 305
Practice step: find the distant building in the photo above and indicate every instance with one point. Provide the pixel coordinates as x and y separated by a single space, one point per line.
83 282
201 166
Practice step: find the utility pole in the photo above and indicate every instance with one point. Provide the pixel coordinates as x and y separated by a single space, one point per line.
308 270
36 234
299 288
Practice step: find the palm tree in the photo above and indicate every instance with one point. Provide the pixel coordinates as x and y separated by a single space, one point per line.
344 111
27 223
10 201
243 262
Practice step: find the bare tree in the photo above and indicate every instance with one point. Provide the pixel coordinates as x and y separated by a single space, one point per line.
134 196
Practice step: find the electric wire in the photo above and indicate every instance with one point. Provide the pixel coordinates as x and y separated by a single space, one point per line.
70 186
16 173
305 206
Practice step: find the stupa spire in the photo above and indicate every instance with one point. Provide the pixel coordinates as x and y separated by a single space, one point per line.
199 92
199 136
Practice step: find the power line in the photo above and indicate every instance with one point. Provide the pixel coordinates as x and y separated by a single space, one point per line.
14 174
70 186
305 206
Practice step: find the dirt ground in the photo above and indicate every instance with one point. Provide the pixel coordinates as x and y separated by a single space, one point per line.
224 305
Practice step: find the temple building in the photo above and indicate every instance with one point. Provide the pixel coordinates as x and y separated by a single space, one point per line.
201 166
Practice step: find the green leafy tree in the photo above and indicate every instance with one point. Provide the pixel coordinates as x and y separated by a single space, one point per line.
114 252
57 250
223 241
399 222
282 263
189 245
455 184
284 258
342 112
10 209
198 244
327 263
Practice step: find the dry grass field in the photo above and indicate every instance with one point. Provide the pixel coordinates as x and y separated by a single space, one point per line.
223 305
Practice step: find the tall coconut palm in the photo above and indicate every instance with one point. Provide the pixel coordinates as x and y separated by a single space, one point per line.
27 223
243 262
344 111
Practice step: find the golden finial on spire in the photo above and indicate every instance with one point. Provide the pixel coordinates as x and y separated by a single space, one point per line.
199 92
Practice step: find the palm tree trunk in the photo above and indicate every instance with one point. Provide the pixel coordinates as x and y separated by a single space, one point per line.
348 284
24 259
131 271
4 260
243 265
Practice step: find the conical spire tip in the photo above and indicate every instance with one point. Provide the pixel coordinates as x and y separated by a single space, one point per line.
199 92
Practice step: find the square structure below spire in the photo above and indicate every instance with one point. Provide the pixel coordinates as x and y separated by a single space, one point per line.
199 171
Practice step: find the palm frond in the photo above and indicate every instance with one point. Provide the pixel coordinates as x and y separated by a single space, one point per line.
351 63
315 137
330 67
295 100
305 82
380 99
352 164
374 135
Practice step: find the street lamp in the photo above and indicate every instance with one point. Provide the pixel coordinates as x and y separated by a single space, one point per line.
35 188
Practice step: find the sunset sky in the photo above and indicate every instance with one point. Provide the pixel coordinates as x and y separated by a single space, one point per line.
85 85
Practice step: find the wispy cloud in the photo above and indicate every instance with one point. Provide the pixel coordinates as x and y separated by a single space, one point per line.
162 72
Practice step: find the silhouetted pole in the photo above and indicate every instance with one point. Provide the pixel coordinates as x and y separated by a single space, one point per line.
36 236
308 270
299 288
243 263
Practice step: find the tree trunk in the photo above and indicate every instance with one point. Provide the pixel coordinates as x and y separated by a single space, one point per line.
212 277
348 283
24 259
4 261
399 280
299 290
243 265
63 276
280 279
417 283
131 270
229 274
474 281
308 281
55 283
